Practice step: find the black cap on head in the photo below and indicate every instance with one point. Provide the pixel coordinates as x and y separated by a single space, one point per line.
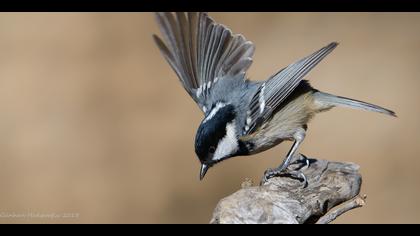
211 131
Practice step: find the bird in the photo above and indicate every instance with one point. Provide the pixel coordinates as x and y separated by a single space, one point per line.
243 117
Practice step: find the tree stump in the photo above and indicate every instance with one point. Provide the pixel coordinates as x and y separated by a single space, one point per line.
283 200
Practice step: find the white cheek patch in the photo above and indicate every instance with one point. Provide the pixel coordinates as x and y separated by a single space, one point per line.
228 145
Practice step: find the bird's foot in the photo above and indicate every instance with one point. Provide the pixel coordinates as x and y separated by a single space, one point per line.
302 161
277 172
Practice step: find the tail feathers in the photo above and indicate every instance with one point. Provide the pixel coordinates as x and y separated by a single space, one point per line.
329 100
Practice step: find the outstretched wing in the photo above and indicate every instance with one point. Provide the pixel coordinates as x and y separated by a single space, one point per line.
275 90
201 51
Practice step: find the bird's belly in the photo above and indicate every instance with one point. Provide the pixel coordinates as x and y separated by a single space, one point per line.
269 137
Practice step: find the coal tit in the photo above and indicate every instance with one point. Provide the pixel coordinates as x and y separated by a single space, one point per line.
242 117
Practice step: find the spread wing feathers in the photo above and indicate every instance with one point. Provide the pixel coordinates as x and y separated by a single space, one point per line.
201 51
276 89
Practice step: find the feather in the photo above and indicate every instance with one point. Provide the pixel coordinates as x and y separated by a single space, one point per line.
200 50
278 87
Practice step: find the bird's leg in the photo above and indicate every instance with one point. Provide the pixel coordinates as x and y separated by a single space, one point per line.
270 173
299 136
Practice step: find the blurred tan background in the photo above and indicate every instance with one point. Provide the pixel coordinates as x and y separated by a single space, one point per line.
94 122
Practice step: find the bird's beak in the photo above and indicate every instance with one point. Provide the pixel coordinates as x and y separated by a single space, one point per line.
203 170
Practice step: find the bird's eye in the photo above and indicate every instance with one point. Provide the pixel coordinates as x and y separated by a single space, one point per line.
212 149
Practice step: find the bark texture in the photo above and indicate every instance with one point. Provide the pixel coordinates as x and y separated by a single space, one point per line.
333 189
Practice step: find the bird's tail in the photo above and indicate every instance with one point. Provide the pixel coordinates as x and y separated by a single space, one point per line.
327 101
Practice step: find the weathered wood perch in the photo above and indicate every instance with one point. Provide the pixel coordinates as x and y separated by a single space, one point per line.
284 200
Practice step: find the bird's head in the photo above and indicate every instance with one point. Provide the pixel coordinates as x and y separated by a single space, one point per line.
216 138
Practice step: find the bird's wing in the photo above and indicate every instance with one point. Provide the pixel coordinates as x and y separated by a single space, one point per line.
275 90
201 51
